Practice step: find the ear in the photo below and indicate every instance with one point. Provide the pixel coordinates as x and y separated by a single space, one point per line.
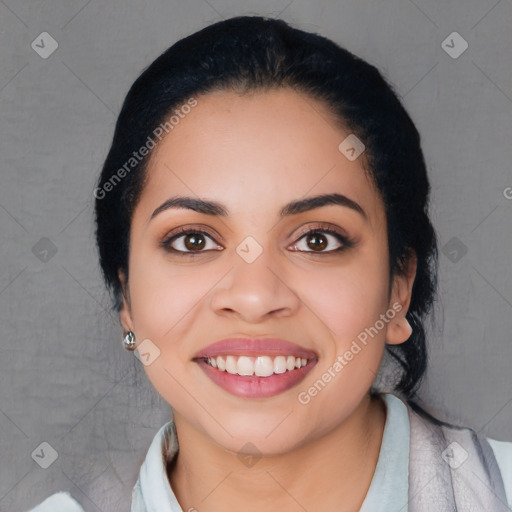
125 315
399 329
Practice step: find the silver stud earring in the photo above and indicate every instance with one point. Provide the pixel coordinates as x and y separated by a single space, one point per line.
129 341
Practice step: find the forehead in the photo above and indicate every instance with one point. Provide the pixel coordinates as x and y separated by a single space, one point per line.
266 147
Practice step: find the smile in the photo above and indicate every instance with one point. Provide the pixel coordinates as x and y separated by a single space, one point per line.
255 368
261 366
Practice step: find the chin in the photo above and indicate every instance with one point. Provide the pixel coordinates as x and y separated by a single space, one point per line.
267 435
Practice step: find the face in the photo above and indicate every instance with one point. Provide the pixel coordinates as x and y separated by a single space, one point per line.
306 287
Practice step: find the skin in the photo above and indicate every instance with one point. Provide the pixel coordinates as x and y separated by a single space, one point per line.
254 153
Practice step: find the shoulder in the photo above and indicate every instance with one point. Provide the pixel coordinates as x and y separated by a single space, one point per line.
58 502
503 453
486 450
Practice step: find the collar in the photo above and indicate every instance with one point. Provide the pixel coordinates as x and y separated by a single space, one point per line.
389 486
152 492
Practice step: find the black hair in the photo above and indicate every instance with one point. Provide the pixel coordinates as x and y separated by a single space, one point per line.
250 53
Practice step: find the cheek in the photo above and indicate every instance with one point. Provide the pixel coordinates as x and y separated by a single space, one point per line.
347 299
349 302
165 296
166 300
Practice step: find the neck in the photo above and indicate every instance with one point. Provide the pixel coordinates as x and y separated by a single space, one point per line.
333 472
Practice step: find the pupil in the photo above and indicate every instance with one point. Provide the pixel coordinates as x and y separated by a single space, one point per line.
316 237
194 241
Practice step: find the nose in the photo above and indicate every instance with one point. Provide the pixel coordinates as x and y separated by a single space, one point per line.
256 291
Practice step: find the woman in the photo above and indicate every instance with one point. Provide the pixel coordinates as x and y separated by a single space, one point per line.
262 222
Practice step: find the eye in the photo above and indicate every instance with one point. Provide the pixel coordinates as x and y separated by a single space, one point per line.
320 238
193 241
189 241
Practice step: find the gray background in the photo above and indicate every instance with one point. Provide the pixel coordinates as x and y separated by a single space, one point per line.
64 377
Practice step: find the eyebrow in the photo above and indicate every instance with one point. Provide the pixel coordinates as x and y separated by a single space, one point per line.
292 208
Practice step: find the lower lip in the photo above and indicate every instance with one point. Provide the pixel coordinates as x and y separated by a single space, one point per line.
256 387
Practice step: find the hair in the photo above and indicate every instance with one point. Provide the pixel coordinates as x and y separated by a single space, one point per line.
252 53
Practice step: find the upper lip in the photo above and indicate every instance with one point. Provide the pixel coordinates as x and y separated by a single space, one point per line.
255 347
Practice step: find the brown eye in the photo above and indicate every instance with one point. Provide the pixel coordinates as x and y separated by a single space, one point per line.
317 240
188 242
194 241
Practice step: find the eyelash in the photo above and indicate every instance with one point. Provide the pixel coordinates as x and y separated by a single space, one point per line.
167 241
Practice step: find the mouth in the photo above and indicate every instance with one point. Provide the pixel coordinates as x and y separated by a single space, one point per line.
261 366
256 368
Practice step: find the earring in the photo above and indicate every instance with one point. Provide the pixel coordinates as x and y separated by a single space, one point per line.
129 341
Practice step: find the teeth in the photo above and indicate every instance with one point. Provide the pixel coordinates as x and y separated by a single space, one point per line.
245 366
231 365
279 364
261 366
221 364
